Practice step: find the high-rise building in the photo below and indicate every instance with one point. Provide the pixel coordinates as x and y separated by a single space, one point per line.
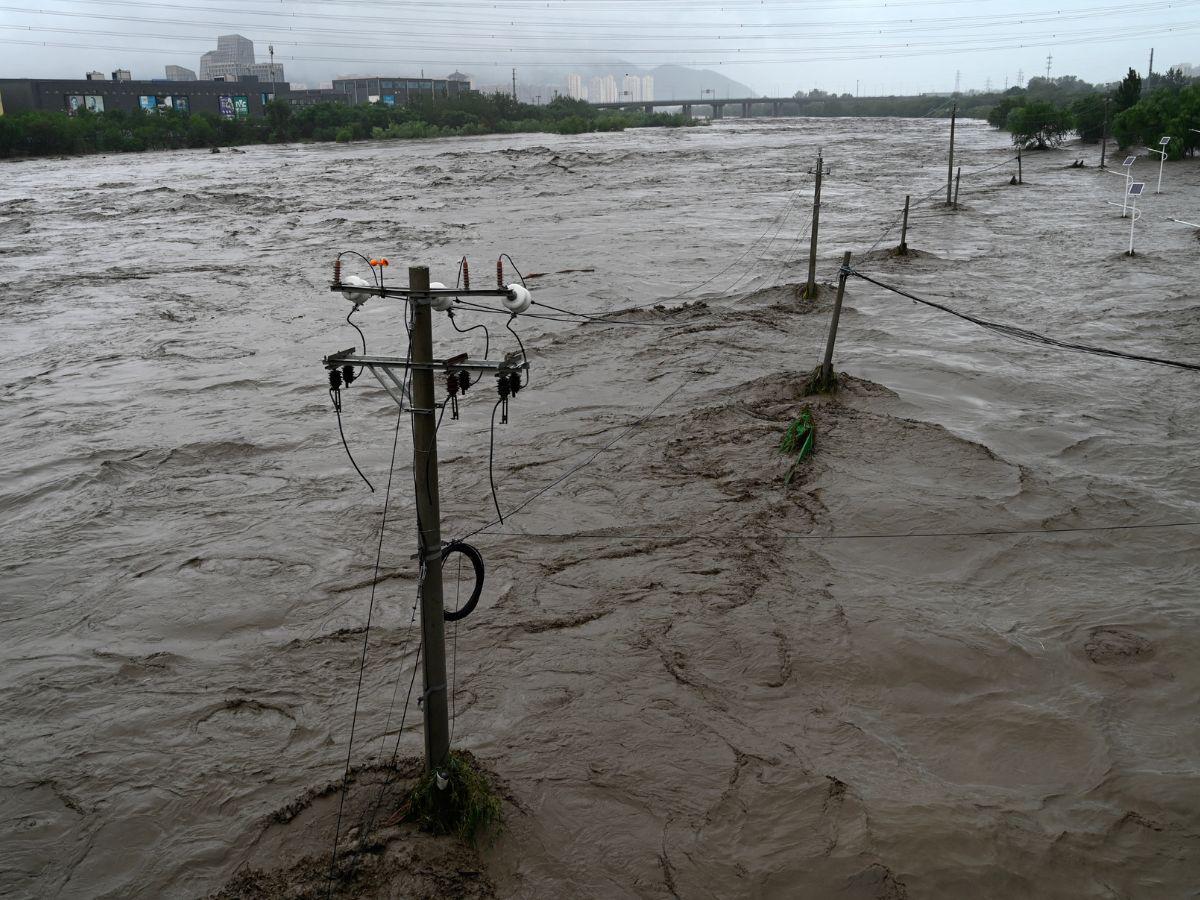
631 88
609 89
122 75
575 88
647 87
179 73
596 90
234 58
236 48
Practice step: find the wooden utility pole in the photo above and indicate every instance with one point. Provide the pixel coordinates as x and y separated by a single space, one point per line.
827 365
903 250
950 168
1104 134
1020 167
429 529
514 84
957 179
810 288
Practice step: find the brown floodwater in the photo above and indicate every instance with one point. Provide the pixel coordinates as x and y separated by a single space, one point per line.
685 692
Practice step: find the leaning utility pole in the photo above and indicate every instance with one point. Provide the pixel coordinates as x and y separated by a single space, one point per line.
950 167
514 84
429 528
810 287
827 364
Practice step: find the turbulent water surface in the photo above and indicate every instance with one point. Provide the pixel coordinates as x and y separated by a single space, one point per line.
685 693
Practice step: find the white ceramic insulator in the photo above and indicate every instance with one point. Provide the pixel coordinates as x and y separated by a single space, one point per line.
358 298
519 299
441 304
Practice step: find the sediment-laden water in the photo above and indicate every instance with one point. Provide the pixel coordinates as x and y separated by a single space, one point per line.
685 694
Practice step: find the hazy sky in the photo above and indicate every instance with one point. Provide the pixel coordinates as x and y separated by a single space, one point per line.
775 46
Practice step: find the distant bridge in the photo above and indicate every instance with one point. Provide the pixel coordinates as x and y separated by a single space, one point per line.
746 106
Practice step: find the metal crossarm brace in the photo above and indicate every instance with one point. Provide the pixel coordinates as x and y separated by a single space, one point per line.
408 293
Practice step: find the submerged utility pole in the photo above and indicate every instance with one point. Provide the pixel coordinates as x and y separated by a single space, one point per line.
810 287
902 250
950 167
429 528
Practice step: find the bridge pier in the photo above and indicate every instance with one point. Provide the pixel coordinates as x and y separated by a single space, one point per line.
776 108
648 108
687 110
746 105
718 110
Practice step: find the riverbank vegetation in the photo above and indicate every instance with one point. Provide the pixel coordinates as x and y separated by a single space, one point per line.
56 134
1136 111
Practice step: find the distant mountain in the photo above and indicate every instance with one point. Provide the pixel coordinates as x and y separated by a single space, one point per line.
677 81
669 81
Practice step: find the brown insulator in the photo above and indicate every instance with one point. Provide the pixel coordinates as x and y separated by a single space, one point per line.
337 271
500 274
466 274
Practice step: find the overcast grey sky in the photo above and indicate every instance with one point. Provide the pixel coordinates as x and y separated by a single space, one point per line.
775 46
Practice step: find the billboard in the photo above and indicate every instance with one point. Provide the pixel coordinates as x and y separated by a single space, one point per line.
181 104
148 103
241 106
389 99
93 103
226 104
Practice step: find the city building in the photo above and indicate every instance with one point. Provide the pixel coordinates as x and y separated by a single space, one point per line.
631 88
647 87
575 88
230 100
122 75
398 90
234 59
179 73
95 76
459 76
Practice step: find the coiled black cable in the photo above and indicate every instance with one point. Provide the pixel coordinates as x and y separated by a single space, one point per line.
477 564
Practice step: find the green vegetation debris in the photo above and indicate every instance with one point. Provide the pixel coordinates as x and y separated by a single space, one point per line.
797 441
468 806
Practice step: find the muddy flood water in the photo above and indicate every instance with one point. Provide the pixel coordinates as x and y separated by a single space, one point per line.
693 679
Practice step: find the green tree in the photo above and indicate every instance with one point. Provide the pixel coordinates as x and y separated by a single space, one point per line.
1129 91
1039 124
1088 112
279 116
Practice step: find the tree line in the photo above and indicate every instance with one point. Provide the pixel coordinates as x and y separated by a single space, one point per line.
1135 112
40 133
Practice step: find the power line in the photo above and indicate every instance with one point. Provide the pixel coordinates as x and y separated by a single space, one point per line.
540 27
861 536
1022 334
742 56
